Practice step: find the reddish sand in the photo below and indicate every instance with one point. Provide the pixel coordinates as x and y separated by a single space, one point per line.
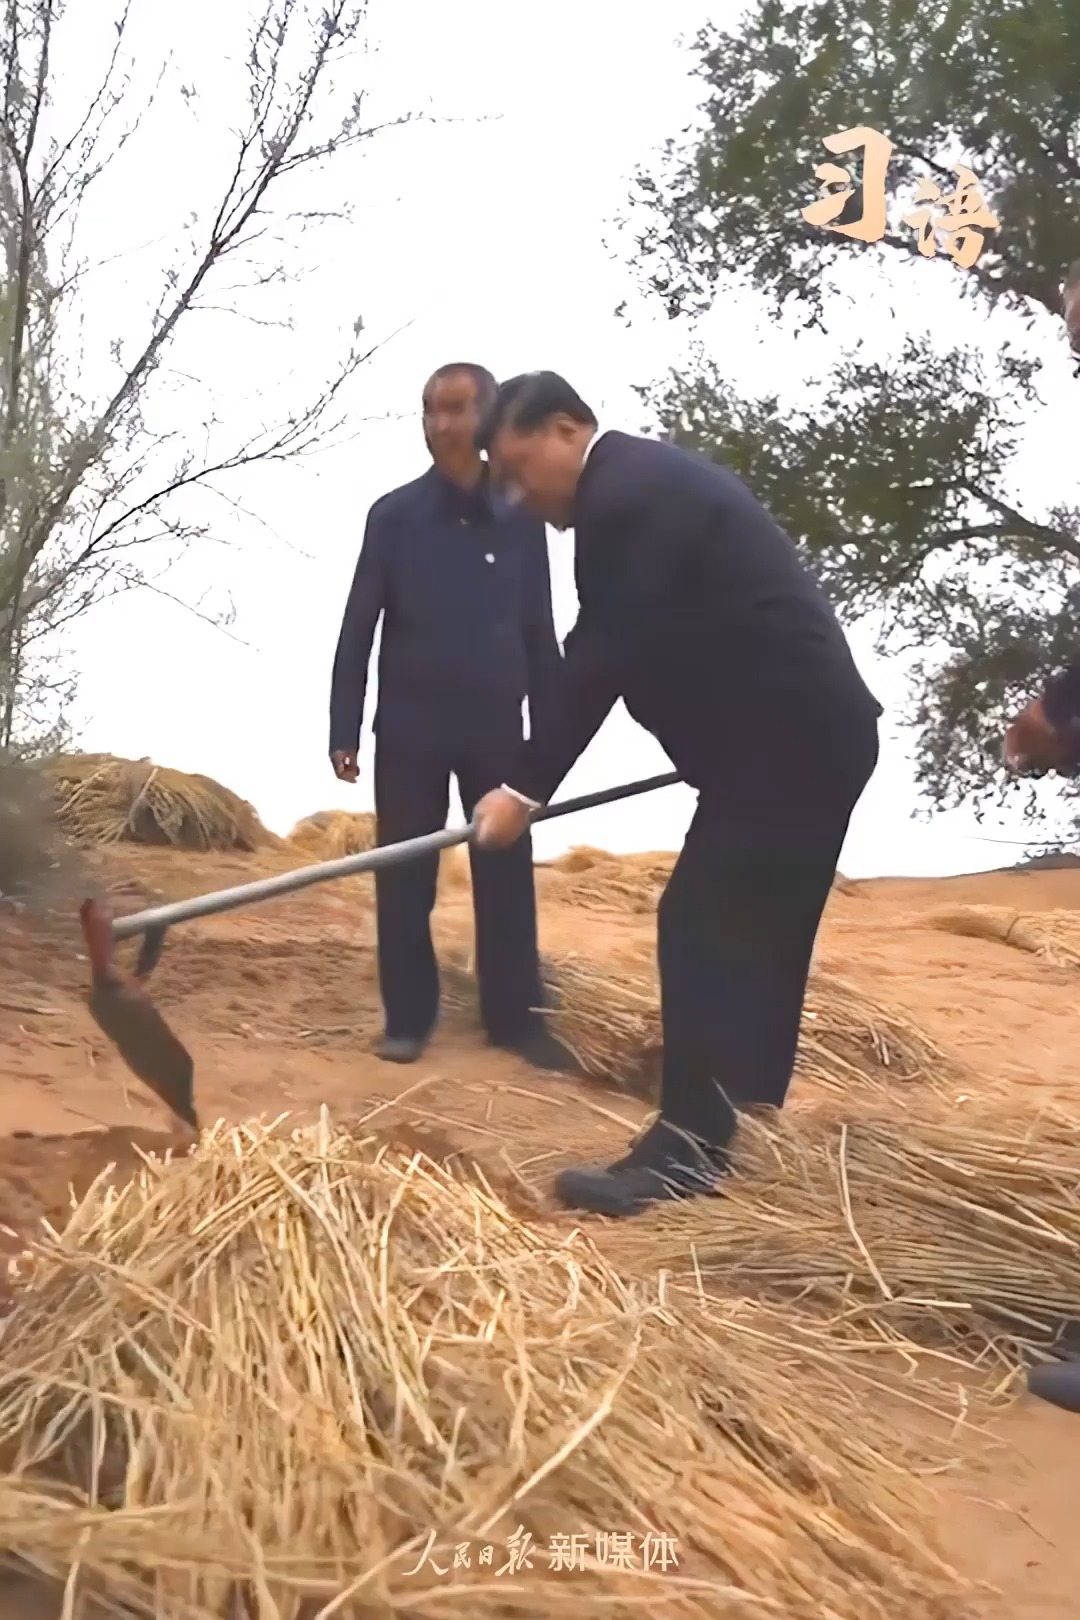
280 1004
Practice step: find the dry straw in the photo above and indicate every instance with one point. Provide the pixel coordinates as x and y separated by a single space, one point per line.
277 1377
330 834
598 880
941 1229
608 1015
1053 935
104 800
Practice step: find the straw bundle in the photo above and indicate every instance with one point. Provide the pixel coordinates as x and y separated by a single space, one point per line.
292 1374
609 1017
330 834
849 1038
938 1229
581 858
596 879
104 800
1053 935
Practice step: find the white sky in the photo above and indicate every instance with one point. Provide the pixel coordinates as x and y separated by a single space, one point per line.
486 233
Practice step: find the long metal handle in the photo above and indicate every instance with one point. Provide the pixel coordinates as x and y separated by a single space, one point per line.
153 923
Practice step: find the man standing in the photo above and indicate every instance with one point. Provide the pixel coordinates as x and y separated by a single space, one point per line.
696 609
461 583
1045 737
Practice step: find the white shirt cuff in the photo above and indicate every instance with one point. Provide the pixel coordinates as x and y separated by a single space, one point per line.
530 804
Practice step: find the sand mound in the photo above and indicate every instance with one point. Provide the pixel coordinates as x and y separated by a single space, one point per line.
609 1017
1053 935
941 1229
295 1368
104 800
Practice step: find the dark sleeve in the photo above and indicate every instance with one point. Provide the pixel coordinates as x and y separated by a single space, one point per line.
1061 696
637 580
367 598
588 691
545 663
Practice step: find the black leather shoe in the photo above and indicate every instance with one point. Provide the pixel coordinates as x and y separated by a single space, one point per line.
664 1165
662 1142
1057 1382
631 1190
399 1048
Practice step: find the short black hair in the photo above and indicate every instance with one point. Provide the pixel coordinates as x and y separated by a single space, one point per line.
487 388
528 401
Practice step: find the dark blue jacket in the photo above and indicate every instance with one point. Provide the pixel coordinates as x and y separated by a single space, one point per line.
696 609
1061 705
461 582
1061 696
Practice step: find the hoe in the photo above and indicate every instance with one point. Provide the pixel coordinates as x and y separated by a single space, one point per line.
124 1012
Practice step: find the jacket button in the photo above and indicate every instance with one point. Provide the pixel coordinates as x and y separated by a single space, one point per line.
488 557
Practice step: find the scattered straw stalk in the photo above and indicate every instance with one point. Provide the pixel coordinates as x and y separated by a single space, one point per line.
1052 935
848 1038
609 1017
290 1375
943 1229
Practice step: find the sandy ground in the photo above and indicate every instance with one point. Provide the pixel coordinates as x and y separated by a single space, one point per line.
279 1006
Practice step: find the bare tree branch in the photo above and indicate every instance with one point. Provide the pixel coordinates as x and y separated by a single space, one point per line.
86 491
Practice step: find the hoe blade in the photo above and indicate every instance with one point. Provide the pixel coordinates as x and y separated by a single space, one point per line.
125 1014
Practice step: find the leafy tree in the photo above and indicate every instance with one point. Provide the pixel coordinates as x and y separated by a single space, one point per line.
896 479
88 493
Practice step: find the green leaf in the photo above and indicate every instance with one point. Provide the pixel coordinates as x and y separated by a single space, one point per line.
895 478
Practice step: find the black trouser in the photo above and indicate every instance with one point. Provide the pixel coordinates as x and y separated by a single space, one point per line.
736 930
412 797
